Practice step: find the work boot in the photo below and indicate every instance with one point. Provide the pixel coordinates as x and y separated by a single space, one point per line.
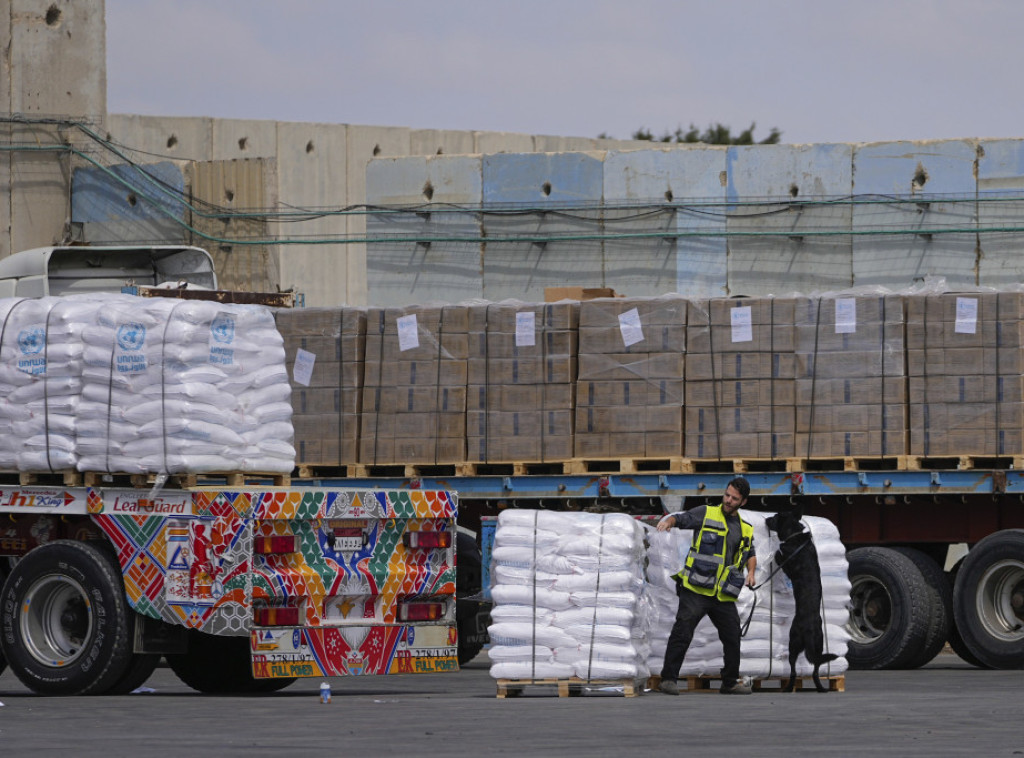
668 687
736 688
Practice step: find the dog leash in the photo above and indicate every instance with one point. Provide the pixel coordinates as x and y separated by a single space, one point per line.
746 624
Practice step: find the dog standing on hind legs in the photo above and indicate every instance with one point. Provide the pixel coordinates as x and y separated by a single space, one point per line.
798 559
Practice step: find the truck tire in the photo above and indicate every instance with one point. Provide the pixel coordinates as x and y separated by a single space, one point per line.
65 620
890 608
139 670
956 641
468 584
218 665
988 600
941 617
3 578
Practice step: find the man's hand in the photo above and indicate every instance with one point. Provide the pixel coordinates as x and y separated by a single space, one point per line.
666 523
750 578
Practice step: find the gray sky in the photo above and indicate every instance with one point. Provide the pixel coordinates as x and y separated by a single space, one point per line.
819 70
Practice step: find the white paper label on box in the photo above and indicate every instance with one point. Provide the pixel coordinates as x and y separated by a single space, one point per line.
966 315
408 332
526 329
629 325
742 324
846 315
302 372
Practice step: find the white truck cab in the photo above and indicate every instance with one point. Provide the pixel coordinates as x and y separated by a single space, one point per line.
69 270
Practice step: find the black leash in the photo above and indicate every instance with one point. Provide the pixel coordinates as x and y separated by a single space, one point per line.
791 556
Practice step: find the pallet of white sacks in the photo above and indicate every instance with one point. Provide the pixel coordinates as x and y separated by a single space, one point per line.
571 687
711 684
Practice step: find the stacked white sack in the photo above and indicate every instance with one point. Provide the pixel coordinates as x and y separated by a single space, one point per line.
568 597
764 649
40 381
178 386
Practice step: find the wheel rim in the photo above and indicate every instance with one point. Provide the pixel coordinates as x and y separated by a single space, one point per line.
1000 600
871 610
56 620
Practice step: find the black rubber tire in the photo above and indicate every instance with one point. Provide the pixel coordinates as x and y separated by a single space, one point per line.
78 615
941 617
890 609
956 641
218 665
988 600
139 670
3 577
468 583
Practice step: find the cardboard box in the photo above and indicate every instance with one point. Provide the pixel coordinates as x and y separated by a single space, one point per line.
554 294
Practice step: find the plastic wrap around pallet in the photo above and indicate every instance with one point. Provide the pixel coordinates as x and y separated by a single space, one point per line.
569 597
765 647
123 384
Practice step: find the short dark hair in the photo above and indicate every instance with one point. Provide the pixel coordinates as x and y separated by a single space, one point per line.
741 485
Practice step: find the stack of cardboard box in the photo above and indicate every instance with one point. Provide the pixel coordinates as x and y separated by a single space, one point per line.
631 366
851 388
521 371
414 395
964 359
739 378
324 351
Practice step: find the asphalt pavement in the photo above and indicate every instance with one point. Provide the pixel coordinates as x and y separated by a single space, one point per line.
947 708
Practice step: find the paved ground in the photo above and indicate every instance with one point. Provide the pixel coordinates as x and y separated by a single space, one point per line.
946 708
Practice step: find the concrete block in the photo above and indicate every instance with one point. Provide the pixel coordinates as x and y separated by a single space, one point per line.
171 137
502 142
57 58
312 163
237 139
38 187
441 142
401 272
520 260
933 234
1000 184
790 247
682 260
136 204
543 143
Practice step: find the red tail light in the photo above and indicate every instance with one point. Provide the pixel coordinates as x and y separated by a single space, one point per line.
274 545
420 611
274 616
427 539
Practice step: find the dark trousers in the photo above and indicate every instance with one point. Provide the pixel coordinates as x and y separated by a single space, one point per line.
725 617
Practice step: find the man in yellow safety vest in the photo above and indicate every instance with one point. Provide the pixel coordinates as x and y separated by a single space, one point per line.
710 582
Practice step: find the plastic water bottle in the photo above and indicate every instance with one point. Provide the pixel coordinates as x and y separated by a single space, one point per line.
325 692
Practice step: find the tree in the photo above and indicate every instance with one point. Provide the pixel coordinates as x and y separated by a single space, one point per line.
716 134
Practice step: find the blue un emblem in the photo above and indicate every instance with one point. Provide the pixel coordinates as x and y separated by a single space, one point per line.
223 328
32 341
131 336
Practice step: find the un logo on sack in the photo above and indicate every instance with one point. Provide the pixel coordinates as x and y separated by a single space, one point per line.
131 336
32 341
223 328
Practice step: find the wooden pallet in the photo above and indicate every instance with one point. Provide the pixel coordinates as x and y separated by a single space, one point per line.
572 687
63 478
958 462
711 684
733 465
626 465
844 463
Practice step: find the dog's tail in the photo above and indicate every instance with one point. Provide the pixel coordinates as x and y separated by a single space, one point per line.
824 658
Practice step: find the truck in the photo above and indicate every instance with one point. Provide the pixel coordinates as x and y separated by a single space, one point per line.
242 582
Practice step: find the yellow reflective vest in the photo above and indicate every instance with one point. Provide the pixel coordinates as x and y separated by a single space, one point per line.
706 572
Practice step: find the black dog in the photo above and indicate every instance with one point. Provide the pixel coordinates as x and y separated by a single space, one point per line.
798 560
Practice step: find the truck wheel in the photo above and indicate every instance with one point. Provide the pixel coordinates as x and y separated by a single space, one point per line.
220 665
65 620
988 600
890 608
139 670
956 641
941 596
468 584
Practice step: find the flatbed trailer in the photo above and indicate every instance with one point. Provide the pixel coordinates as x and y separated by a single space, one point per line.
242 587
936 547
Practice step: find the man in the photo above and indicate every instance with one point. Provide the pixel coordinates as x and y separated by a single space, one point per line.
710 582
